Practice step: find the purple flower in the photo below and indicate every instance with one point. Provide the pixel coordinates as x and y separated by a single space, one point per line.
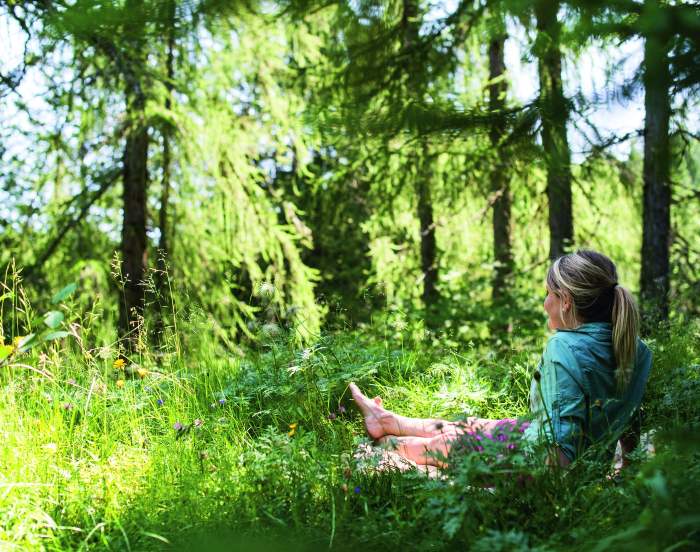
332 416
501 437
357 489
511 446
342 410
222 402
177 426
160 402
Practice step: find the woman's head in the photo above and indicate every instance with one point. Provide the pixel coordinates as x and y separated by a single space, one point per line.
583 287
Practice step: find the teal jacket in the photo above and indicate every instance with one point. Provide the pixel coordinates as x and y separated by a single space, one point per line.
577 402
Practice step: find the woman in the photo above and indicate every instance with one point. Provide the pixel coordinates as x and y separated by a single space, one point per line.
587 388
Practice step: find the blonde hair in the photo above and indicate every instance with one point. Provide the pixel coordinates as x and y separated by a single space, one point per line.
589 279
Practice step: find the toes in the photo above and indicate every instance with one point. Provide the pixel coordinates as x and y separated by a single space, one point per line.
378 401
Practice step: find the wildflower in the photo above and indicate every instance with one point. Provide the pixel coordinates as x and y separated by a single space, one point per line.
332 416
293 370
198 422
177 426
67 406
271 329
292 429
17 341
342 410
160 402
266 289
306 354
222 401
357 490
142 372
120 383
119 364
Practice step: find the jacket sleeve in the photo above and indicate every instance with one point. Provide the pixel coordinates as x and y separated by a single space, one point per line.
564 397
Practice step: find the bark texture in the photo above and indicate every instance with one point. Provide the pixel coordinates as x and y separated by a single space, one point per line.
554 110
500 175
428 241
656 233
135 187
162 286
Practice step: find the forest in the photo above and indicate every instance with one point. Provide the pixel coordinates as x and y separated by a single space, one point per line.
215 215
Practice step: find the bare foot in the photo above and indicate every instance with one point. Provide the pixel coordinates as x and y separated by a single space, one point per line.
372 410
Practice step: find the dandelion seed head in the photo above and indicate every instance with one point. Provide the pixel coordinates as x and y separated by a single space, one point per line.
271 329
266 289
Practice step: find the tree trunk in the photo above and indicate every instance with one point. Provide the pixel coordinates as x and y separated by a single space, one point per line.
654 284
162 284
499 177
135 185
428 244
554 110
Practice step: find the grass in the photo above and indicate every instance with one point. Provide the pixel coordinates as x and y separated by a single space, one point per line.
197 448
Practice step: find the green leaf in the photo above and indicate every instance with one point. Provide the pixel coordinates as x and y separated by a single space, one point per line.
26 343
53 319
56 335
64 293
5 351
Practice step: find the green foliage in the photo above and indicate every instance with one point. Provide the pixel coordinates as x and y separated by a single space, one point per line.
193 447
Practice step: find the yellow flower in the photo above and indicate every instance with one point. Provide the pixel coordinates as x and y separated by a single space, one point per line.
16 341
120 383
142 372
119 363
292 429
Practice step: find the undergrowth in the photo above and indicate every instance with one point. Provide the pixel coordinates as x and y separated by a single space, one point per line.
175 447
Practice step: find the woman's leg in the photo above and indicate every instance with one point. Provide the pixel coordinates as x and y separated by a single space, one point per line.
424 451
380 421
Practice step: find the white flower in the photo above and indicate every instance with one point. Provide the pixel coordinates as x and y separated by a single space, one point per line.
306 354
266 289
271 328
293 370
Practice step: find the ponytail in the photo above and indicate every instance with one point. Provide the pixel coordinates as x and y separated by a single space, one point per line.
590 279
625 329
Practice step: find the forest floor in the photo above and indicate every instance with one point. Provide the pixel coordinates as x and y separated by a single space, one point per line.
189 448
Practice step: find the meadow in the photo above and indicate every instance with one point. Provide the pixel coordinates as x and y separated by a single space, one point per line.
181 447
